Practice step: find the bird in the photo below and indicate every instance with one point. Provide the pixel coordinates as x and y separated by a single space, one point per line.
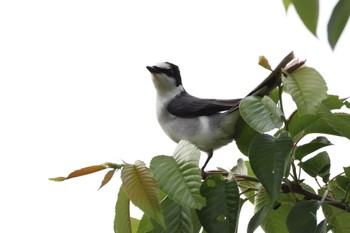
207 123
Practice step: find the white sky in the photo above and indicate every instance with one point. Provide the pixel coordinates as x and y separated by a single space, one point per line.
74 91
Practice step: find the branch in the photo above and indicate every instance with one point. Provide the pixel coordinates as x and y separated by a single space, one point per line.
296 188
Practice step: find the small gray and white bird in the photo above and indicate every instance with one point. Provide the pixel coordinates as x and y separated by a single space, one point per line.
207 123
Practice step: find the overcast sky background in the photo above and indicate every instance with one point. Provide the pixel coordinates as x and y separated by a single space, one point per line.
74 91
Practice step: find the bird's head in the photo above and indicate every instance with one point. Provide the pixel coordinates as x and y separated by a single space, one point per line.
166 77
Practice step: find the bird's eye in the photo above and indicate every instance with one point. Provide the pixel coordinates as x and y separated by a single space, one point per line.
170 72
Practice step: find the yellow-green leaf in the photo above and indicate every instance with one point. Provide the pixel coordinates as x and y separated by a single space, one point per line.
60 178
286 4
141 189
122 221
264 63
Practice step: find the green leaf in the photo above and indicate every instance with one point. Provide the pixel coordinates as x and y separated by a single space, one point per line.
302 217
122 221
334 102
223 205
179 176
268 158
196 224
339 187
250 170
338 219
319 165
261 199
322 227
258 218
337 22
145 225
134 224
335 122
307 124
243 168
275 221
347 104
177 218
286 4
261 114
307 88
240 168
347 172
298 123
308 13
310 147
342 183
275 95
244 134
141 189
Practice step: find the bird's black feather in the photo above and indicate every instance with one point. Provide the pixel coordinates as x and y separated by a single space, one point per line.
186 105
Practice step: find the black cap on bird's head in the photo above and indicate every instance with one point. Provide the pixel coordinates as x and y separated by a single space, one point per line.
168 69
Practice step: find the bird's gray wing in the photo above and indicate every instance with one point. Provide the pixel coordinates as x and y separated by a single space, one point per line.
185 105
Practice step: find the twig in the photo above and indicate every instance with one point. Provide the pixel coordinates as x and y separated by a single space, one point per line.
296 188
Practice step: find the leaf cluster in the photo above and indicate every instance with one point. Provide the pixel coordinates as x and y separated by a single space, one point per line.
280 158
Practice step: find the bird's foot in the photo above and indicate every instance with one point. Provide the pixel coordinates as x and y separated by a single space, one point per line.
204 174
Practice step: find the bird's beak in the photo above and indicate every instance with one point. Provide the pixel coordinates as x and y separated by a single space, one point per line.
152 69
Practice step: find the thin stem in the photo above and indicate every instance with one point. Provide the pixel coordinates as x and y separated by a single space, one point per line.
335 177
319 185
296 176
247 191
299 175
280 90
294 170
246 199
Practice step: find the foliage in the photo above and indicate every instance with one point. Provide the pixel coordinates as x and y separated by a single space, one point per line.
308 12
174 197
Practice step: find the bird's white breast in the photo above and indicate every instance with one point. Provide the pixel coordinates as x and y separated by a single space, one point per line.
203 131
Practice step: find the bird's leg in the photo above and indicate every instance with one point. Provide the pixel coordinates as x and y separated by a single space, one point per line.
210 155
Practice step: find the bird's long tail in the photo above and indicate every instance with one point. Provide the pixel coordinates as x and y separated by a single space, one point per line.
274 79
